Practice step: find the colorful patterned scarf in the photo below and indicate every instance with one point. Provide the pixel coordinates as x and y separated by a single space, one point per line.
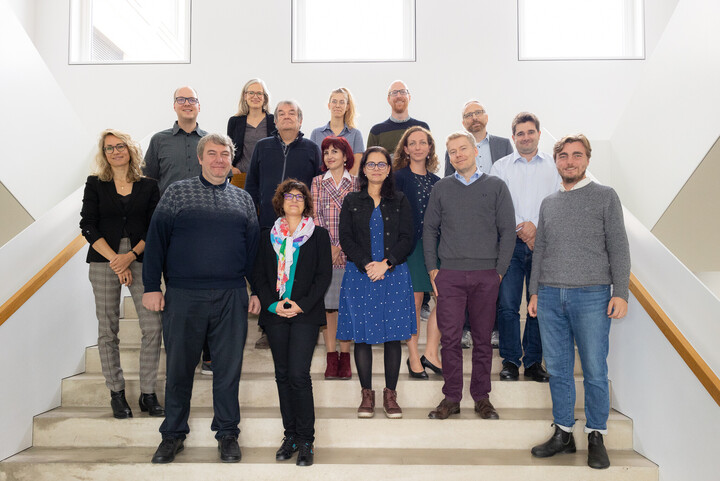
279 236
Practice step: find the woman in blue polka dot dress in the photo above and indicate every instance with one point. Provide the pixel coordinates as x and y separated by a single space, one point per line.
376 298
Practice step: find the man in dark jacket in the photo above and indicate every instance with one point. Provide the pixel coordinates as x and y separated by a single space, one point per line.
284 155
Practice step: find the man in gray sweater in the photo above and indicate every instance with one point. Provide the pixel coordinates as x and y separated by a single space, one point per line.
470 225
579 282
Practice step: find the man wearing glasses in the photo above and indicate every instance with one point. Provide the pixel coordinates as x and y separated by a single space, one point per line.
388 133
172 155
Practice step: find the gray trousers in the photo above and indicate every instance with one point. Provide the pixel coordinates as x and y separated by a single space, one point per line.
106 287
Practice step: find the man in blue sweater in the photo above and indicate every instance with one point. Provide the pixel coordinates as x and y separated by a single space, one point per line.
203 238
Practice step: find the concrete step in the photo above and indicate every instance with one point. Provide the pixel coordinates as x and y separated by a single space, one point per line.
361 464
259 390
260 360
335 427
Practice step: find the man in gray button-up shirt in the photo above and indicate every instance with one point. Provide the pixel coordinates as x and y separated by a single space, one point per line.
172 154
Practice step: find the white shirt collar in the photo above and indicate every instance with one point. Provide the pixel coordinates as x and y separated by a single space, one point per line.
346 175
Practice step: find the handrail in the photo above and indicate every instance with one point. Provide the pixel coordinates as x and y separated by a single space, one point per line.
694 361
39 279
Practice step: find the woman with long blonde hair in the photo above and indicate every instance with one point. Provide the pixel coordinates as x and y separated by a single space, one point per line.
342 124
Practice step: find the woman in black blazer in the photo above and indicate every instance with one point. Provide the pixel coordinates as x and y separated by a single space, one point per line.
291 274
117 206
252 122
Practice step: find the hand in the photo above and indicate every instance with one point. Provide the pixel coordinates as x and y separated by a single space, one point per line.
254 305
617 308
526 232
235 171
121 262
532 306
433 273
531 244
288 312
154 301
376 270
125 277
336 258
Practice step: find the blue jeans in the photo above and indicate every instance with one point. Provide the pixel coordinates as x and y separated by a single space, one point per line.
569 316
508 312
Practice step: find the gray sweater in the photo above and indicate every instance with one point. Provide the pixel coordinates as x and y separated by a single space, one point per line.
475 224
581 241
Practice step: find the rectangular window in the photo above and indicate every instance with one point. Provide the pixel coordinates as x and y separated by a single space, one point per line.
345 31
129 31
580 29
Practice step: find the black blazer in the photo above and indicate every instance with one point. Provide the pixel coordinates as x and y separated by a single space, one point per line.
236 131
355 228
313 274
103 216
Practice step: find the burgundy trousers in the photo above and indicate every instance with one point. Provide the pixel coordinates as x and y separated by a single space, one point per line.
476 292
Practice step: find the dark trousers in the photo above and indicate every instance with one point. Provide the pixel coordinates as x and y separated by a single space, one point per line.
477 292
292 345
191 316
508 313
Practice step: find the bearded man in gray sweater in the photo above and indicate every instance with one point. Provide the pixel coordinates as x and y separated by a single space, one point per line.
579 282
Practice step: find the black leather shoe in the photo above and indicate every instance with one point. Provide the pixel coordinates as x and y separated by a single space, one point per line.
431 366
560 442
417 375
167 450
149 404
305 455
120 407
287 449
597 455
229 449
537 373
510 372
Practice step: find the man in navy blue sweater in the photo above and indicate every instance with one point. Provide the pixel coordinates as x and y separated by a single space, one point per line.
203 238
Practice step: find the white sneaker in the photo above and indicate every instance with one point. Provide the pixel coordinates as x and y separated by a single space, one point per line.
425 312
466 341
495 339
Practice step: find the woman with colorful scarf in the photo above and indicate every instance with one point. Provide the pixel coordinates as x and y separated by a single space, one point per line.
292 272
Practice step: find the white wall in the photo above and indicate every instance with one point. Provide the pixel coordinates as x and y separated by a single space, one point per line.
45 144
45 340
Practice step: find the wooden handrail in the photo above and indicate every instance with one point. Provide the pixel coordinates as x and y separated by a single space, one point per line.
32 286
695 362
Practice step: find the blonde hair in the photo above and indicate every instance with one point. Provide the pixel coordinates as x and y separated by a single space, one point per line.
349 117
243 107
103 169
401 159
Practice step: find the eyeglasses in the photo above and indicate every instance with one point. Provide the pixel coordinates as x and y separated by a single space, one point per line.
337 102
190 100
476 113
395 93
250 93
376 166
297 197
109 149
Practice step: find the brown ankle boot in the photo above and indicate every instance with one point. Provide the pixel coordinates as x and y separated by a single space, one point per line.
367 406
344 371
390 405
331 371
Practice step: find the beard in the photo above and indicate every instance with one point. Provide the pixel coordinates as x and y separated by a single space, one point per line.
573 179
399 106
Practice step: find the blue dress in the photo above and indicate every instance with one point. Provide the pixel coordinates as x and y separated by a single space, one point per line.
380 311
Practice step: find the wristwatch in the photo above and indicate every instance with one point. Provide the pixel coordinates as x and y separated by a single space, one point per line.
389 264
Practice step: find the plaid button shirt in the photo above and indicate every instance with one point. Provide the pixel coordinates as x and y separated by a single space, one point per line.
327 200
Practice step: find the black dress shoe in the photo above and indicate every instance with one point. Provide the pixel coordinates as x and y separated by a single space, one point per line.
305 455
510 372
417 375
167 450
287 449
560 442
431 366
120 407
149 404
597 455
229 449
537 373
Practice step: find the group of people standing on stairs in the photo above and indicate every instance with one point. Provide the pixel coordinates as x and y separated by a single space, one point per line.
330 233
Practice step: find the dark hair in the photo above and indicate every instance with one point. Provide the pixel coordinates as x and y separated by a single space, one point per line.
387 190
286 186
342 145
523 117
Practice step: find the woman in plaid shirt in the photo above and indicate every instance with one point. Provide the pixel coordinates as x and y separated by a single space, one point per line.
328 192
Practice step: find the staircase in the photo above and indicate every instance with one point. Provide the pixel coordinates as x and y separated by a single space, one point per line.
82 441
